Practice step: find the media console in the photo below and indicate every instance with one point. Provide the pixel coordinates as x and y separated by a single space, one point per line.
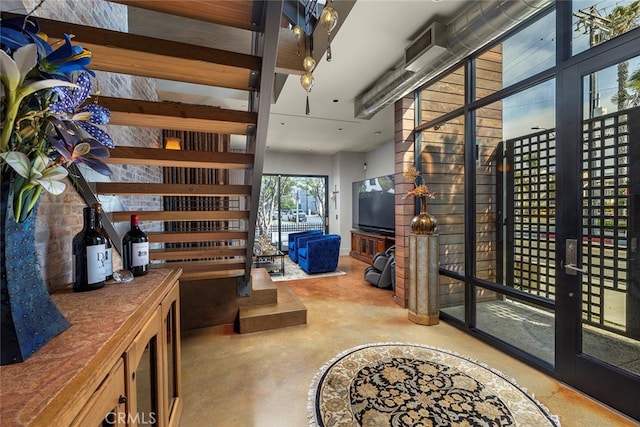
365 245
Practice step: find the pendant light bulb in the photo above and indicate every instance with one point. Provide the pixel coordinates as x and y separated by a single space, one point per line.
298 33
306 81
329 19
309 63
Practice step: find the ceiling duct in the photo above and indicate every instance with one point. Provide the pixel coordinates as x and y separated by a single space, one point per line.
478 25
425 47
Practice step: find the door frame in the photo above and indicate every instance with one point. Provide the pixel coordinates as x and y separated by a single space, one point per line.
609 384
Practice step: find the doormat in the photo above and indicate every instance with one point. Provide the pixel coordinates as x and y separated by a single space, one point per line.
394 384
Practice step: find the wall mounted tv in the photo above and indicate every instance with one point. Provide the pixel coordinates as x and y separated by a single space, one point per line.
374 205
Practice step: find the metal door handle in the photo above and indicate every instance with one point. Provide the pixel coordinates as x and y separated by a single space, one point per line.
575 268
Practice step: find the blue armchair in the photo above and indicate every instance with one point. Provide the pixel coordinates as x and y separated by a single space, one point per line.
292 246
319 254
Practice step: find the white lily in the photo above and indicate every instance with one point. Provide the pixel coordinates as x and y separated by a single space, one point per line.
40 173
13 72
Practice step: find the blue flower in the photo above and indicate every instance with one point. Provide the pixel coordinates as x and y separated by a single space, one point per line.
65 60
75 149
68 108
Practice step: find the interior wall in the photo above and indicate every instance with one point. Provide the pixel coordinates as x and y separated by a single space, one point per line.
380 161
343 169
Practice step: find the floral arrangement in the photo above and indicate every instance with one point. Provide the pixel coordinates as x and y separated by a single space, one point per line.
419 188
264 246
47 121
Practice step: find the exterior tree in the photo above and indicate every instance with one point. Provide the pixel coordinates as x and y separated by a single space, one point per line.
269 196
634 85
623 19
316 188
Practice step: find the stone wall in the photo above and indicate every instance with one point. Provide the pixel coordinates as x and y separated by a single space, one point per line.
60 217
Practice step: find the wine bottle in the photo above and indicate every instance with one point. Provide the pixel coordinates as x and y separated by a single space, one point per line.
88 255
135 249
108 249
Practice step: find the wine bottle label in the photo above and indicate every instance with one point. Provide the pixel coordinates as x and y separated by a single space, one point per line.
108 262
139 254
95 264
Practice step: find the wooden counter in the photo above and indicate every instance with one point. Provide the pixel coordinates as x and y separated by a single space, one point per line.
53 386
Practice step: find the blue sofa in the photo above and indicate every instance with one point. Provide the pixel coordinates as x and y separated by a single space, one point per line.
292 246
318 254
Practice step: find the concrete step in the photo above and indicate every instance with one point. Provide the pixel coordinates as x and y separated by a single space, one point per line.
263 289
287 311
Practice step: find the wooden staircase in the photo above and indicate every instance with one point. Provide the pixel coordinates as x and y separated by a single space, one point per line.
207 221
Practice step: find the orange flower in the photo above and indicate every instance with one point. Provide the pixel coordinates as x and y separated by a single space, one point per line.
419 190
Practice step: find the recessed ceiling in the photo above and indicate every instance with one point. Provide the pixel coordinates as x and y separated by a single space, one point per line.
369 43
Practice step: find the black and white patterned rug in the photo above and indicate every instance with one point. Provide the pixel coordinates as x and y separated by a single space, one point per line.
392 384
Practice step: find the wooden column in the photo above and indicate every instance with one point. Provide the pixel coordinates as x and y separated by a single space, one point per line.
424 294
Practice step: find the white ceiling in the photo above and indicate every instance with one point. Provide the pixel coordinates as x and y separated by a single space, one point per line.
369 43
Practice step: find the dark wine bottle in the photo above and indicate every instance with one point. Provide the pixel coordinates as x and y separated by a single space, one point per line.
108 249
135 249
88 255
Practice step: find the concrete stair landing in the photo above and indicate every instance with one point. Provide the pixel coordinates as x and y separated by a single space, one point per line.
274 305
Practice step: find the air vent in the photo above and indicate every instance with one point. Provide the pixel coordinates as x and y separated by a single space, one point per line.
429 44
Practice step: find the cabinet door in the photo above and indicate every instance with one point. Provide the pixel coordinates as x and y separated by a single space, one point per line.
107 406
144 375
172 390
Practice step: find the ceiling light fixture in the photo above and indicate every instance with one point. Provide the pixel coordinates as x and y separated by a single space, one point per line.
298 32
306 80
329 19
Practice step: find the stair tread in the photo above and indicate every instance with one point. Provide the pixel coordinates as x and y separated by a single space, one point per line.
237 14
260 280
288 302
195 236
178 158
178 116
188 275
192 215
133 54
194 190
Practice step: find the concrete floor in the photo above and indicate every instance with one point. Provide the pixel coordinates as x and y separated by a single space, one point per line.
262 379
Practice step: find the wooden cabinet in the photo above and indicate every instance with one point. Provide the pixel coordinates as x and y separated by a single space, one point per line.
108 403
118 364
365 245
172 388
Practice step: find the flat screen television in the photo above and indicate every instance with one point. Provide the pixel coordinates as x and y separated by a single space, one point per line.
374 205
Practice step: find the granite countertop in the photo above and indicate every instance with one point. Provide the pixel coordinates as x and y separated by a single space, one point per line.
103 323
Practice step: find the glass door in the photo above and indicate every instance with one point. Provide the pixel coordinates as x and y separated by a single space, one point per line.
598 301
290 204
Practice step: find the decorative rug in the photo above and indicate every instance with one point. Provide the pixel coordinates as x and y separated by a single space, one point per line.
394 384
294 272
